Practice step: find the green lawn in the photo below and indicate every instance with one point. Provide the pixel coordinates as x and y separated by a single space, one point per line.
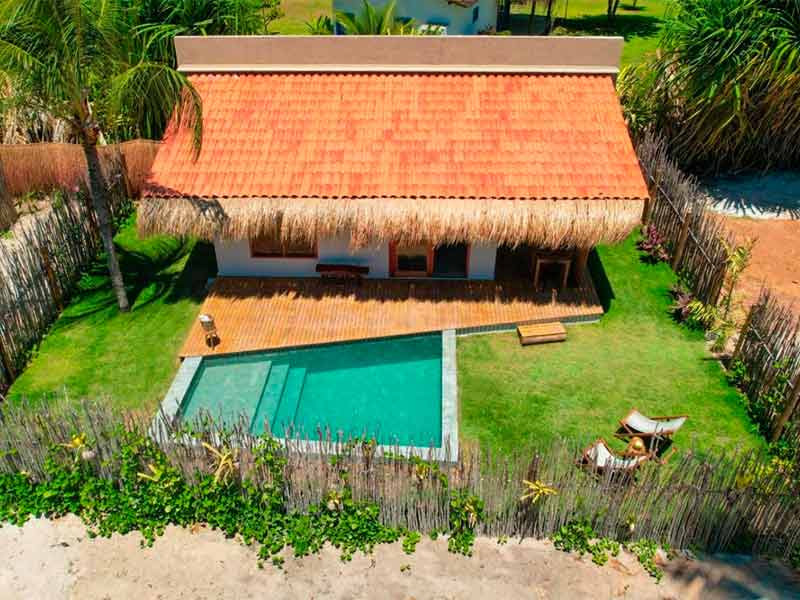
636 356
639 26
511 397
95 351
297 13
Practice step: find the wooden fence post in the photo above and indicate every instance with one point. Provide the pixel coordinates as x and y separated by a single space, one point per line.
648 208
47 266
650 200
788 411
744 331
7 364
680 246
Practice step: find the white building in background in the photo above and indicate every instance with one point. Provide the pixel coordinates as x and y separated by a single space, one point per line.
454 17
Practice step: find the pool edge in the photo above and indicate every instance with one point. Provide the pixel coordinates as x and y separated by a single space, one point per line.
171 405
449 447
447 451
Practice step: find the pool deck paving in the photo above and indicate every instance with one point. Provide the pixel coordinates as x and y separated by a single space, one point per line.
267 313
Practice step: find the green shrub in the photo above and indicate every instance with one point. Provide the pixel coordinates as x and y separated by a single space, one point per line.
645 552
466 512
579 536
146 493
794 558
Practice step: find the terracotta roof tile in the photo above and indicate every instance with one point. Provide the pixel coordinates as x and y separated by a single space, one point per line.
392 135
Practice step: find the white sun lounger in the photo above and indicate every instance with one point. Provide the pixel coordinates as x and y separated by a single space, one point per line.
600 457
635 423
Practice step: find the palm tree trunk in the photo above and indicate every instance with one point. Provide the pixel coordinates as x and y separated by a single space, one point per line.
100 204
548 24
532 17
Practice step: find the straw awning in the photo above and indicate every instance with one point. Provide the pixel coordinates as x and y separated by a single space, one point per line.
516 158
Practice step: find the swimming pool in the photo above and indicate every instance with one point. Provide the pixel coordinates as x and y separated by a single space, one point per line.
400 391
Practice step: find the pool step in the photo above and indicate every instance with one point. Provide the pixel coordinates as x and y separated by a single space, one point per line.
270 398
287 410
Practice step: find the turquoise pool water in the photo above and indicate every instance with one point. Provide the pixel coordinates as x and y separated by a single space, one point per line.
387 389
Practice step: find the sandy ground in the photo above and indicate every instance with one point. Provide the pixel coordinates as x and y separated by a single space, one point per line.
776 258
55 559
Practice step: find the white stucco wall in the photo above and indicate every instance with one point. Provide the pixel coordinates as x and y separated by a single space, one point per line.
234 260
458 19
481 261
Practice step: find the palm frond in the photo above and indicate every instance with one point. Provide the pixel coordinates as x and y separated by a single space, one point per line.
150 93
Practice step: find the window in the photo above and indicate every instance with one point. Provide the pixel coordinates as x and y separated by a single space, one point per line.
273 247
476 12
425 260
411 261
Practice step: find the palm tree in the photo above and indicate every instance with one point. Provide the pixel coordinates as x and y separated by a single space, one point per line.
375 21
80 61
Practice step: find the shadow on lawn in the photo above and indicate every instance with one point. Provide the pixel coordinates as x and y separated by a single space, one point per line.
601 283
147 279
628 26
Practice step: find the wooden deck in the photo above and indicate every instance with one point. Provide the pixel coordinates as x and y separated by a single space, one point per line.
264 313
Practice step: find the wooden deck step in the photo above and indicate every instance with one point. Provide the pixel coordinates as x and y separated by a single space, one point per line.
541 333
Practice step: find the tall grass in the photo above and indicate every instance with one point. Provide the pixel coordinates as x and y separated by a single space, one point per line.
725 87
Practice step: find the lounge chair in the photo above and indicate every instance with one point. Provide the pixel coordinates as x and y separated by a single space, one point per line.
599 457
656 432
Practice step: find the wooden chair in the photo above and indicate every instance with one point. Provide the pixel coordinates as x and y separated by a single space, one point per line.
209 329
600 458
656 432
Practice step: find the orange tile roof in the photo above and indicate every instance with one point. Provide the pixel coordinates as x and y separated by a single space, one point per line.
341 135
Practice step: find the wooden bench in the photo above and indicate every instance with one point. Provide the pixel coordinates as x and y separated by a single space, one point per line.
541 333
334 271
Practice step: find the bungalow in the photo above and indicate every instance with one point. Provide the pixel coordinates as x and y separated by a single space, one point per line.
469 158
450 17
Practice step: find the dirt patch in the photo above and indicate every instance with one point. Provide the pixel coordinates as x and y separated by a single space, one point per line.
55 559
776 258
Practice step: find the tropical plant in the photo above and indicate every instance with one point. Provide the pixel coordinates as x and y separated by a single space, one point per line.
724 88
682 301
162 20
737 260
322 25
76 59
374 20
653 245
536 490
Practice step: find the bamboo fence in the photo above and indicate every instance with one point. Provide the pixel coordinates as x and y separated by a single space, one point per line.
43 254
769 341
26 168
677 209
718 503
39 264
769 348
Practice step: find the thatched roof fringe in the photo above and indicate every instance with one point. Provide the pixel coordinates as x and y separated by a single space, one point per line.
545 223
